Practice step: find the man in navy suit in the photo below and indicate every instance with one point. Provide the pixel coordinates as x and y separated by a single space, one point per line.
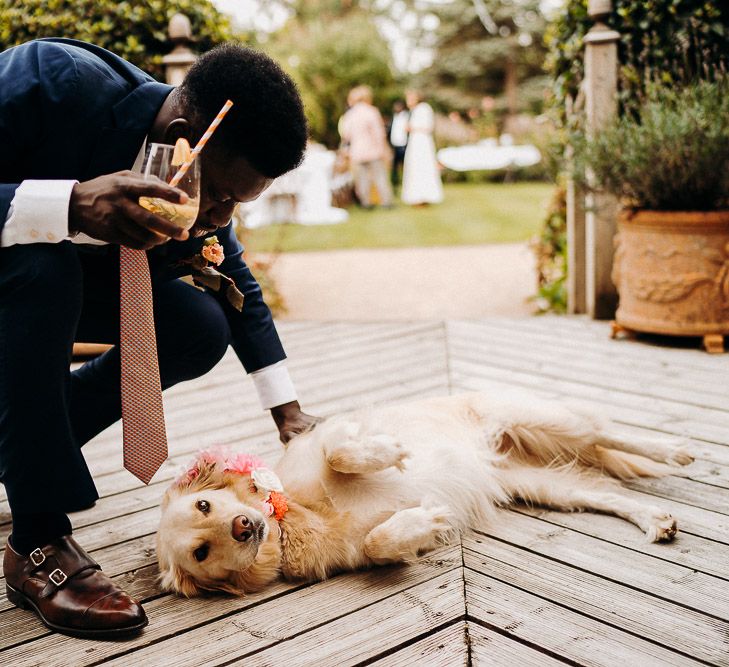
74 120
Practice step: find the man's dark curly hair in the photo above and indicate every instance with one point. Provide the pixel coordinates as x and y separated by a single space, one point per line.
266 124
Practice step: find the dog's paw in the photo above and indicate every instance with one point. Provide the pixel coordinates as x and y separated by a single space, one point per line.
408 533
679 456
368 454
386 451
660 527
437 520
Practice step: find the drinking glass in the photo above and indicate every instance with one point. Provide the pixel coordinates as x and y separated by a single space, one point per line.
158 162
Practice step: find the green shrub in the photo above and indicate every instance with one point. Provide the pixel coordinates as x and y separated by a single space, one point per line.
133 29
550 248
327 60
670 153
673 42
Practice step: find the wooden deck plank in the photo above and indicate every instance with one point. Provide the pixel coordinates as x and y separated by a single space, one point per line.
688 550
205 429
541 586
558 630
444 647
599 373
707 496
491 649
398 619
586 334
611 355
694 590
642 614
222 637
713 420
347 382
629 410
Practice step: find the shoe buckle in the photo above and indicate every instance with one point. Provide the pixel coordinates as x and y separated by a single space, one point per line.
58 577
37 557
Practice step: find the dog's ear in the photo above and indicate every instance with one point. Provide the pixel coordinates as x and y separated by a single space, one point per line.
175 579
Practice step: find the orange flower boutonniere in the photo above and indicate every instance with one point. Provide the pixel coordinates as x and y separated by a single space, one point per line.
205 274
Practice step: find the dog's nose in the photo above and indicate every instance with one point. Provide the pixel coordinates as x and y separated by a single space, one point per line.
242 528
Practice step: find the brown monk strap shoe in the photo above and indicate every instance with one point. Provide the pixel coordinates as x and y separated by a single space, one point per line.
69 592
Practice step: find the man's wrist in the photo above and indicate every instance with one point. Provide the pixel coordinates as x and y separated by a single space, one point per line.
281 412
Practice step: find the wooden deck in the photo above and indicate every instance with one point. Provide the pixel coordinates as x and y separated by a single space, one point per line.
538 588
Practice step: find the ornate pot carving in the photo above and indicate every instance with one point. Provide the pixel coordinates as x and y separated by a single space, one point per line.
671 269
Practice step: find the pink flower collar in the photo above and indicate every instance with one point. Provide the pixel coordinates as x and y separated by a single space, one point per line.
262 477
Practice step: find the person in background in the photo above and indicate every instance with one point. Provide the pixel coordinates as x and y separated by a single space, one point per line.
398 136
420 179
363 129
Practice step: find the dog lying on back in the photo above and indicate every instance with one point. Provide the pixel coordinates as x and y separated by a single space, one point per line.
385 485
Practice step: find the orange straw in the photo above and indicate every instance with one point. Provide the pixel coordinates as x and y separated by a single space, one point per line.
200 144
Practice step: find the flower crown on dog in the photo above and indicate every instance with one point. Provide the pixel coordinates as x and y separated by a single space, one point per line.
262 477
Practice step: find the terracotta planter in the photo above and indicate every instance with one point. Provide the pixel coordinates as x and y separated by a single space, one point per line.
671 270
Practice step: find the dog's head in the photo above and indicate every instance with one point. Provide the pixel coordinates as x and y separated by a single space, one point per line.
213 535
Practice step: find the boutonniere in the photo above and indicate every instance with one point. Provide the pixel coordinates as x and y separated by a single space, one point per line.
205 273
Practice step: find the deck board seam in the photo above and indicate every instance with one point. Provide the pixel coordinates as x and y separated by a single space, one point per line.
580 613
602 576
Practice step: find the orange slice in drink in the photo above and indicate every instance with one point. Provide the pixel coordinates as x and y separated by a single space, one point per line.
181 153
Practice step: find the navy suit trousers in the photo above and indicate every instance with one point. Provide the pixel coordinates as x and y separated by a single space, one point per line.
50 296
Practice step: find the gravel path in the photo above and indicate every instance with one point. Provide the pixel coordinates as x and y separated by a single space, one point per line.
407 283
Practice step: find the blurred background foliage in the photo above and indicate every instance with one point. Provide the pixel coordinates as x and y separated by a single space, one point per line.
133 29
668 42
497 65
329 48
487 72
663 43
501 58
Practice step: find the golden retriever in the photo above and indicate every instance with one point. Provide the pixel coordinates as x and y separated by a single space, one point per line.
385 485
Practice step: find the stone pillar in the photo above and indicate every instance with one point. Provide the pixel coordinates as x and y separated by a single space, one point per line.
601 86
181 58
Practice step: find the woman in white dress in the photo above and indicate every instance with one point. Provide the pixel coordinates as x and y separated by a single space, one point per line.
420 177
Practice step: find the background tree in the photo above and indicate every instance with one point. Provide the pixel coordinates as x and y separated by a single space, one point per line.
134 29
669 42
497 53
329 47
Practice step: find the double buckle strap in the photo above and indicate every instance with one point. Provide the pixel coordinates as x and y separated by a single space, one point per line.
57 577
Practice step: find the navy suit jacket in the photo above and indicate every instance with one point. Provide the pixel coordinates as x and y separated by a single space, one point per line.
71 110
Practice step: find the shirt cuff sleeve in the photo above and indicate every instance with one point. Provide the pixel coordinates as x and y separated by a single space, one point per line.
38 213
274 386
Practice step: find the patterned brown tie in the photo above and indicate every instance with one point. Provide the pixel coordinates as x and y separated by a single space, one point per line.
145 439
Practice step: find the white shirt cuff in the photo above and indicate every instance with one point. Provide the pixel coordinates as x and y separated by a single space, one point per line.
38 213
274 386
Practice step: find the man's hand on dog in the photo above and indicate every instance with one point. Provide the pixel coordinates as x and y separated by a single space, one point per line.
291 421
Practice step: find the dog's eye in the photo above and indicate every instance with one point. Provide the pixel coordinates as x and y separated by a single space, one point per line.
203 506
201 553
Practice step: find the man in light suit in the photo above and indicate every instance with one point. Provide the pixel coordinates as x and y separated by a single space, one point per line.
74 119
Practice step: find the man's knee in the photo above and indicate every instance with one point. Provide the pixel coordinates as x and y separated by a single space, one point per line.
213 335
193 336
40 266
43 279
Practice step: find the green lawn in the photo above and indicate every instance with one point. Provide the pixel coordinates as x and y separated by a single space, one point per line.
472 213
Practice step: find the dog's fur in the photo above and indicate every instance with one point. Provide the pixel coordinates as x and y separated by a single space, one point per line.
385 485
